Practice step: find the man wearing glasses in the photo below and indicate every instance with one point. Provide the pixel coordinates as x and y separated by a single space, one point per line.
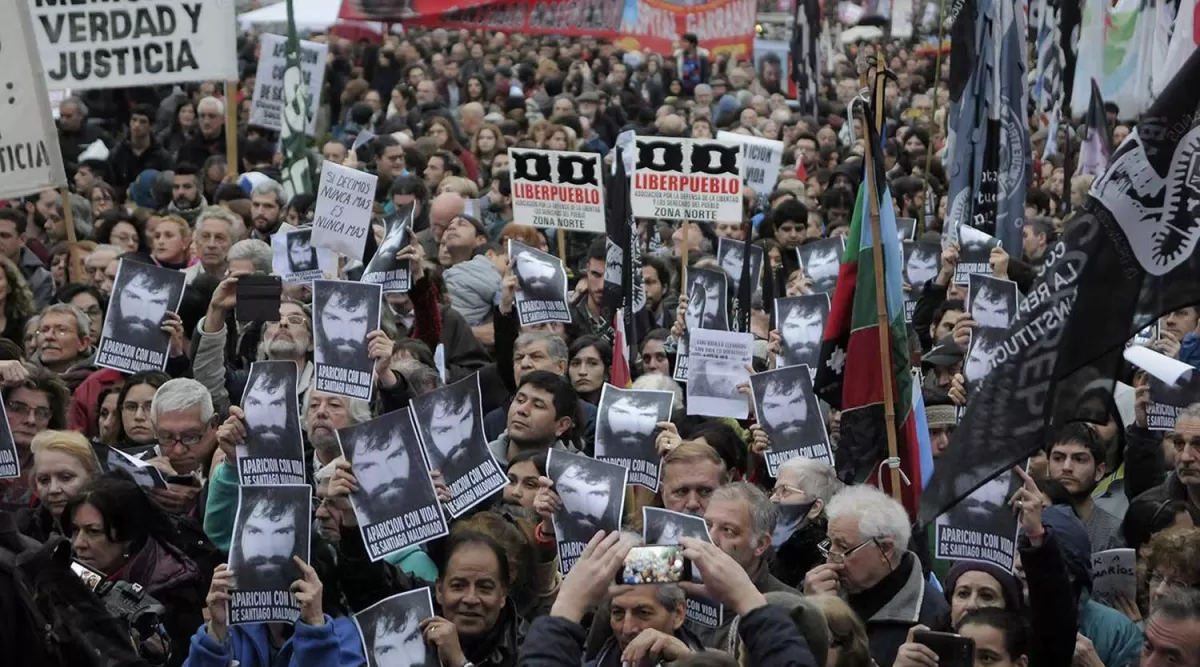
184 426
868 562
37 403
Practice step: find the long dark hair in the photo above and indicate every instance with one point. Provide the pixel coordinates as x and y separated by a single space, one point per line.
155 379
129 514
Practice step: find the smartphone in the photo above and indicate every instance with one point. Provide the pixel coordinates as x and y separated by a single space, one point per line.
654 565
258 298
183 480
952 650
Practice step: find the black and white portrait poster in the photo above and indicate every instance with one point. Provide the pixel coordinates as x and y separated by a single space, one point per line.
821 261
707 308
344 312
10 463
273 525
273 452
593 499
143 473
801 323
982 527
450 423
542 285
395 503
974 252
664 527
992 303
921 264
133 339
296 259
787 409
720 362
1168 401
393 275
906 228
626 426
730 254
391 630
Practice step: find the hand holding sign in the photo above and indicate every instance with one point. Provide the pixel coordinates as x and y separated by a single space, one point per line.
1028 502
218 603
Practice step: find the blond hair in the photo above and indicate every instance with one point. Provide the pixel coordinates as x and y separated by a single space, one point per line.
71 443
846 629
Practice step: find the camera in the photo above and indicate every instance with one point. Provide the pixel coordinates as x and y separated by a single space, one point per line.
130 605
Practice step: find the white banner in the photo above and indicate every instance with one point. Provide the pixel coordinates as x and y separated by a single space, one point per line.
342 218
30 159
761 158
687 179
557 189
268 82
124 43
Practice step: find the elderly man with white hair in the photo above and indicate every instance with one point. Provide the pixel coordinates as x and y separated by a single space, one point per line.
803 489
210 140
869 565
217 229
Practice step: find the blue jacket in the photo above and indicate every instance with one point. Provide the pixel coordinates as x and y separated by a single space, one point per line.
1118 640
1189 350
335 644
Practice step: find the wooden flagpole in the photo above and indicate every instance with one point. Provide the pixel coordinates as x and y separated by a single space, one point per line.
683 261
885 338
74 267
562 246
231 118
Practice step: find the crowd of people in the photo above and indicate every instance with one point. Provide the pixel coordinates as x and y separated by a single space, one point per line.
432 114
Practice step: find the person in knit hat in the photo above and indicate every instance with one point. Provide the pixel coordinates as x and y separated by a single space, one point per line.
971 585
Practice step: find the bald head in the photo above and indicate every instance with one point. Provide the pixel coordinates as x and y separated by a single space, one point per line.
444 209
470 117
671 125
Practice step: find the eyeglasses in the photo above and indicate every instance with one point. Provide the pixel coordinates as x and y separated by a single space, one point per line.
133 407
1158 579
783 491
58 331
22 409
839 556
293 320
189 439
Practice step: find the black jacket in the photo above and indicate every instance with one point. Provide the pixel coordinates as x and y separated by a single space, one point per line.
126 164
898 602
794 558
1053 612
1144 464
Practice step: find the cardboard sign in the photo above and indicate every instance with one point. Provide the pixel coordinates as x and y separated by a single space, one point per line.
268 80
762 158
558 189
687 179
343 215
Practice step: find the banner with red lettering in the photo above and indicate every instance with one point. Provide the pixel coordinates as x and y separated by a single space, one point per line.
722 26
687 179
557 189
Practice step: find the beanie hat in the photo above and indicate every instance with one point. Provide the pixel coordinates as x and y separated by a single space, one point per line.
141 191
1010 588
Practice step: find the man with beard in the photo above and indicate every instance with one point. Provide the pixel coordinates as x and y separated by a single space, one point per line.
731 255
983 508
301 255
821 261
801 325
803 488
267 201
450 433
715 378
268 408
187 192
382 467
142 302
270 525
661 302
921 264
394 637
783 411
1077 461
990 304
540 277
344 316
981 356
589 501
662 527
707 300
627 425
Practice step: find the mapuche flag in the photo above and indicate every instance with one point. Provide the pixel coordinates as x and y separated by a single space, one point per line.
851 373
1127 257
293 126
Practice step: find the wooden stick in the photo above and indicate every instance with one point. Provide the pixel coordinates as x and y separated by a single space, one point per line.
562 246
885 338
683 265
231 118
74 257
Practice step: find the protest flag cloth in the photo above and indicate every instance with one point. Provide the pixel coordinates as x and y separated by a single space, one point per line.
295 118
626 296
806 72
1097 137
1127 258
853 368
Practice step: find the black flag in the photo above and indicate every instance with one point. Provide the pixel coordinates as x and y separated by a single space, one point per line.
623 283
1128 256
805 54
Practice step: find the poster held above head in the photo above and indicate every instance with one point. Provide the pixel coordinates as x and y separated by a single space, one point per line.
1168 401
982 527
688 179
922 261
394 275
267 105
719 362
294 256
665 527
788 410
450 423
273 452
30 158
762 158
10 462
974 252
133 339
344 312
131 43
626 427
593 499
821 261
707 308
391 630
542 285
396 504
801 324
342 215
992 302
731 253
558 189
273 525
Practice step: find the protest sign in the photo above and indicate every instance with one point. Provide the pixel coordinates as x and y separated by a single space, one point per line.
718 362
731 253
273 451
974 251
787 409
687 179
130 43
664 527
992 302
393 275
395 501
801 324
762 158
342 217
450 423
922 261
821 262
981 527
707 308
294 256
542 285
344 312
391 630
133 339
267 105
557 189
626 427
593 498
10 463
30 158
272 526
1168 401
143 473
1114 576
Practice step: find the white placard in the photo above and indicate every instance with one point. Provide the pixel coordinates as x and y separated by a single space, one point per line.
345 200
761 158
1114 575
30 159
718 363
687 179
126 43
268 81
1157 364
557 189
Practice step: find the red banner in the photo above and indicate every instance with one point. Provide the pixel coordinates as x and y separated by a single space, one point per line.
722 26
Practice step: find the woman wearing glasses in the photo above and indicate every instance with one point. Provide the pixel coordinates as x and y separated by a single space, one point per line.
133 430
